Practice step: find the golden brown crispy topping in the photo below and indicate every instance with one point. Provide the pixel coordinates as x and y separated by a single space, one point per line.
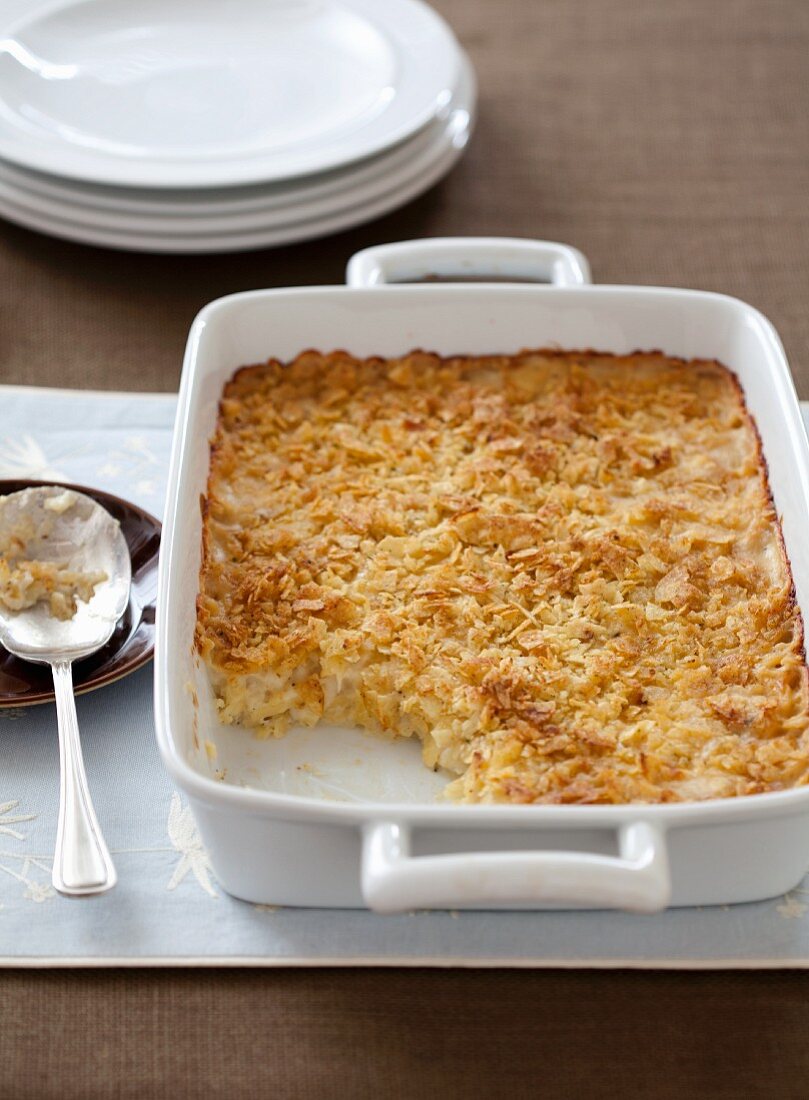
561 571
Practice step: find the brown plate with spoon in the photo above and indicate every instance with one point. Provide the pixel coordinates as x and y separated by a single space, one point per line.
132 643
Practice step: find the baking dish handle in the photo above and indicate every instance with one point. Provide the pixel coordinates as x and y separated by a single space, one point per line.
637 879
465 258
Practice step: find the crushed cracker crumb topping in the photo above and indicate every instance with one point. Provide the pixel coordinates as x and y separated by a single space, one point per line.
561 571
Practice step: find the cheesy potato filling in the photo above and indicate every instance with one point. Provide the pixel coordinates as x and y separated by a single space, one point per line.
561 571
24 584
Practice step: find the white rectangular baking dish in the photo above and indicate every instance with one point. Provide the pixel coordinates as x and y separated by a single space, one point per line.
340 818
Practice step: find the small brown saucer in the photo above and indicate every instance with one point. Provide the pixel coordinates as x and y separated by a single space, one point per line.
23 683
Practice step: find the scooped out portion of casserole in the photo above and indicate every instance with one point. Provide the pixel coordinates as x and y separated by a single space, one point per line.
24 584
561 571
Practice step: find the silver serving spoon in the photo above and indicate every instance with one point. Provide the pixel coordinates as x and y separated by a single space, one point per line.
53 524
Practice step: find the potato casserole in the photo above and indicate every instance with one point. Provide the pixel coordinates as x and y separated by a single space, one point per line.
561 571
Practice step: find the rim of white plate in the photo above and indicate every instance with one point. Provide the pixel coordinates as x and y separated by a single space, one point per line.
316 200
274 237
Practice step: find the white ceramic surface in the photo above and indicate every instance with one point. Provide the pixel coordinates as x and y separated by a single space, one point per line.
332 817
354 186
205 93
388 197
192 204
196 204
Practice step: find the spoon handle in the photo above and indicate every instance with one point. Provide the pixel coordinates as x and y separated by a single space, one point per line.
81 863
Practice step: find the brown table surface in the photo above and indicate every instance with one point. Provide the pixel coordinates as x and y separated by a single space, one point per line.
669 141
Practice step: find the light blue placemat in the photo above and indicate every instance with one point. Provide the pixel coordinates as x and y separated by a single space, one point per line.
168 908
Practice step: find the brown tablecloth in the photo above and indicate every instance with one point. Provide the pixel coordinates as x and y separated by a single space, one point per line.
668 139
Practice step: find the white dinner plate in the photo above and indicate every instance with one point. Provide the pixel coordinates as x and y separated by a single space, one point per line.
290 233
211 93
201 203
272 204
454 129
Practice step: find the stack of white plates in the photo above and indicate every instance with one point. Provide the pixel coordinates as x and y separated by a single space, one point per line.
221 125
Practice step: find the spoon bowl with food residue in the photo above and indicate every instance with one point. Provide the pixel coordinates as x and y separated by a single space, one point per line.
65 573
